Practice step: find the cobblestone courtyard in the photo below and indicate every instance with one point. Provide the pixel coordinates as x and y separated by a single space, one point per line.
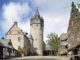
42 58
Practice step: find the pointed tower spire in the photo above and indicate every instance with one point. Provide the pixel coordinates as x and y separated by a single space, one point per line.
37 13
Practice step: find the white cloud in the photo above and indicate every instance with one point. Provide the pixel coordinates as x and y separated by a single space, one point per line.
56 15
25 26
15 12
58 25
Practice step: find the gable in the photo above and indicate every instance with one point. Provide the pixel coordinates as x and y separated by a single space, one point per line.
14 30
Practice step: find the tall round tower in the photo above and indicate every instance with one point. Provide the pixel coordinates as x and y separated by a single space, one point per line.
36 27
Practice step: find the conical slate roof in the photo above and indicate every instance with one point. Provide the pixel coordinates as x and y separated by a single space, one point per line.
37 13
37 19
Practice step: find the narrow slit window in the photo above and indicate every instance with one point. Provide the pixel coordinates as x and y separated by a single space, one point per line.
72 23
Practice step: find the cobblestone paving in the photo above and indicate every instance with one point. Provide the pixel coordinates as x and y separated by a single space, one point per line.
41 58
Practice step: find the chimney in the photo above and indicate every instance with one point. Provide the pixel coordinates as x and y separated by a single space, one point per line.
21 30
15 23
25 33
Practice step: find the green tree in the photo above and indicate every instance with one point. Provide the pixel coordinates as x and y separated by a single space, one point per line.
53 42
21 50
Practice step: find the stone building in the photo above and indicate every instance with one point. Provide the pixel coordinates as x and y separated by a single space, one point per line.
36 30
74 30
33 45
18 38
62 44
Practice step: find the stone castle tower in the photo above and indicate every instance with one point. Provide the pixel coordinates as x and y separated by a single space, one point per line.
74 27
36 30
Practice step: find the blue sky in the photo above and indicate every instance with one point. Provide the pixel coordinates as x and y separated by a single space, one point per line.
56 14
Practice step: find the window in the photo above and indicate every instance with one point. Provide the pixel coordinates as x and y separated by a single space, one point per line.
9 43
19 32
36 20
72 23
4 49
19 39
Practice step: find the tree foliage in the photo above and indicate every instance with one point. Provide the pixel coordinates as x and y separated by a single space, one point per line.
22 50
53 41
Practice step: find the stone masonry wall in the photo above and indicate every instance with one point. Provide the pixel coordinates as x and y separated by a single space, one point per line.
74 28
37 35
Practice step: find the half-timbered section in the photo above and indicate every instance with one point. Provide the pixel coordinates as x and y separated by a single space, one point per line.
7 50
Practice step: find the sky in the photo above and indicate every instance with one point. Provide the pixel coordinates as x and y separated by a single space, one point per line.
56 15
